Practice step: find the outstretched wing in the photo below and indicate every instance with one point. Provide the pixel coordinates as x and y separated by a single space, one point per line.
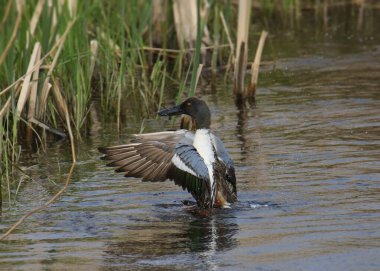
190 171
148 160
149 157
171 156
221 151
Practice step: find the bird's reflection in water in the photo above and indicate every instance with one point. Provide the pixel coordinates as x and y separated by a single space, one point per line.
179 238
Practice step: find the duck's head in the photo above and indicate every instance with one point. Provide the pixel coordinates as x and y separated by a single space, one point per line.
194 107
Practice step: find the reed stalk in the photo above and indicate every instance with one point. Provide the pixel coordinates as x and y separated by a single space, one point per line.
251 90
6 14
361 4
36 16
216 40
241 46
33 91
231 58
46 85
26 85
186 20
196 66
20 9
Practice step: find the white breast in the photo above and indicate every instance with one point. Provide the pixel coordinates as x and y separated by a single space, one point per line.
204 145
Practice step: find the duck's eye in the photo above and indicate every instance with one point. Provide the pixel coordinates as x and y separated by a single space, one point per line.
189 104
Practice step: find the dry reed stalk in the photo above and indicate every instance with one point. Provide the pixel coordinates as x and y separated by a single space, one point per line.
158 17
50 6
94 53
199 72
38 209
59 100
45 88
204 12
33 91
6 14
72 4
36 16
185 20
34 21
241 45
227 31
20 9
7 104
361 4
232 49
25 90
43 98
38 64
256 65
240 69
71 136
64 111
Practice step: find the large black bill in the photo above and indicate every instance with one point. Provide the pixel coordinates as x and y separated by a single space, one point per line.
176 110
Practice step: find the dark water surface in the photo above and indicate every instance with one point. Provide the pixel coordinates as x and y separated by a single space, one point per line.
307 158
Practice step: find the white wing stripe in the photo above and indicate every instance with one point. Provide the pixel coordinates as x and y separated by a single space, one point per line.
181 165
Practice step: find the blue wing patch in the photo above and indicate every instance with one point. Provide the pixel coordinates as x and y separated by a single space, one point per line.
192 174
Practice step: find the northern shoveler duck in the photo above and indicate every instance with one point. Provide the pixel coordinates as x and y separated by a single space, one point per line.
196 161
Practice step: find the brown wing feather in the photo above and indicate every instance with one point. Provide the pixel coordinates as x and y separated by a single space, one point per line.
149 156
147 159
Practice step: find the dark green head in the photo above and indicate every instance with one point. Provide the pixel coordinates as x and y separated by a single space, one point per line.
194 107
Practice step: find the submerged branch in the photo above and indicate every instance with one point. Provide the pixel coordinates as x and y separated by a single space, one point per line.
47 128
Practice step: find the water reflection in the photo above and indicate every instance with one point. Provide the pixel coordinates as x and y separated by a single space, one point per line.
241 126
157 240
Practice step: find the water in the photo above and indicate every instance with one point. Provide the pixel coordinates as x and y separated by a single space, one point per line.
307 158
